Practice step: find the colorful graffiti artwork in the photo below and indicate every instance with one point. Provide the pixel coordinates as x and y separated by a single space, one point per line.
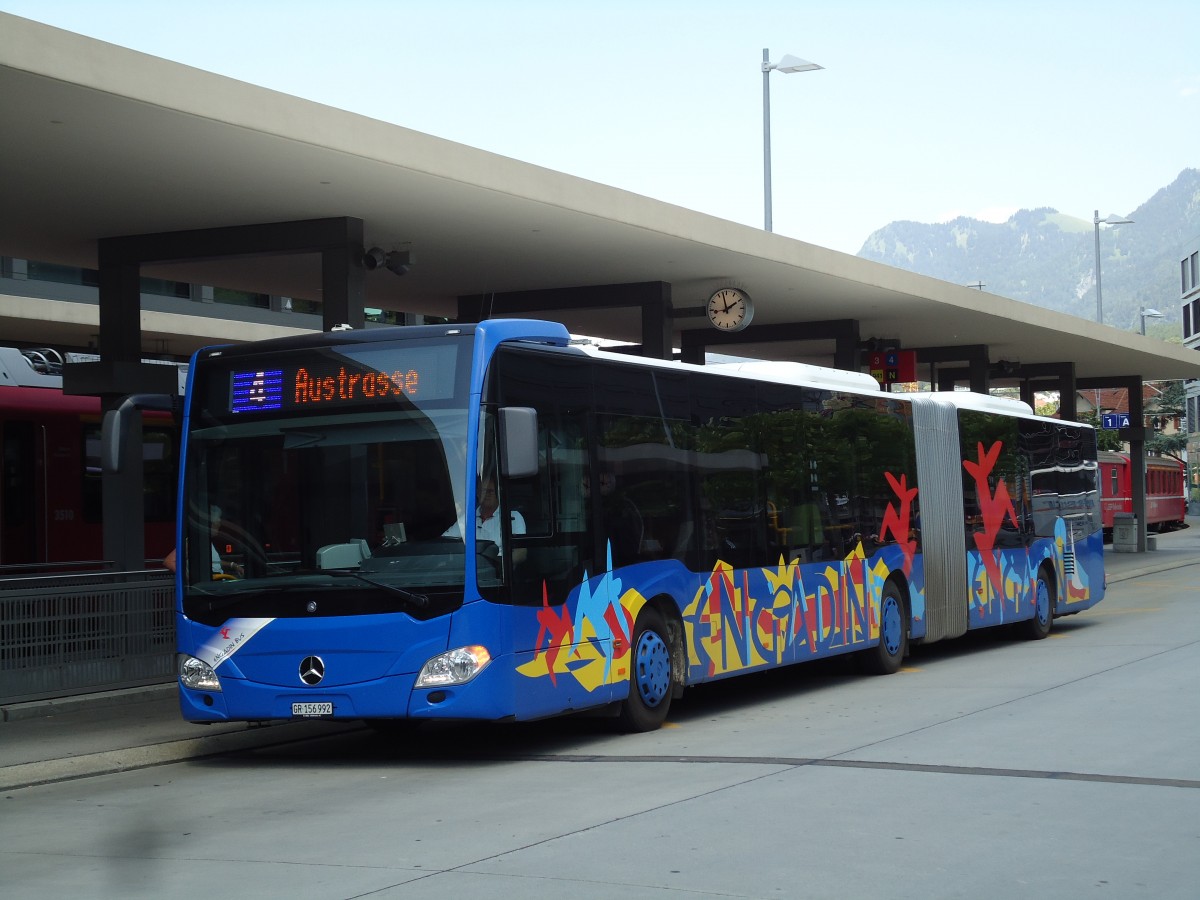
739 619
590 643
1003 580
748 619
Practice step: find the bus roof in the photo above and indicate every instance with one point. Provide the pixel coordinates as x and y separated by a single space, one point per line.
798 373
979 402
759 369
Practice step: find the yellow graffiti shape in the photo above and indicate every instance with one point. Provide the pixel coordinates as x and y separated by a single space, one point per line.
587 662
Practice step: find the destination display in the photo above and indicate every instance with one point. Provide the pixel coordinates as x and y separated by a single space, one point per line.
256 391
415 373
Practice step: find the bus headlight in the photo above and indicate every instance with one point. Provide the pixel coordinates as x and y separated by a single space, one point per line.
197 674
454 667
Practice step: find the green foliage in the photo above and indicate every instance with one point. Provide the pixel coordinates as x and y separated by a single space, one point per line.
1106 438
1167 445
1171 400
979 432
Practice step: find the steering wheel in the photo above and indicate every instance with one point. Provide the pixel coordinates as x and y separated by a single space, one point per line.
488 551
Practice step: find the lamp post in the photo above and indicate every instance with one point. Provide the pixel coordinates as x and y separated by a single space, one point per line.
788 64
1097 221
1149 313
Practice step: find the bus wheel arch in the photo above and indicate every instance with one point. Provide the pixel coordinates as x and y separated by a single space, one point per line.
886 657
655 660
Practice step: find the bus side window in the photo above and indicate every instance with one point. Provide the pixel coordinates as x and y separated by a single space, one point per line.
531 496
730 469
557 539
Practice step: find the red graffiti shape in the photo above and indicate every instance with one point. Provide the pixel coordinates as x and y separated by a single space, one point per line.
620 634
993 508
898 524
556 628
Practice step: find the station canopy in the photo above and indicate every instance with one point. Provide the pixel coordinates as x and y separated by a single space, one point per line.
100 141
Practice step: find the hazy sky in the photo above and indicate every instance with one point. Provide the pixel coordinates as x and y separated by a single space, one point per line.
925 110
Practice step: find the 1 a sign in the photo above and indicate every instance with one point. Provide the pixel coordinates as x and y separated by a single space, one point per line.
1114 420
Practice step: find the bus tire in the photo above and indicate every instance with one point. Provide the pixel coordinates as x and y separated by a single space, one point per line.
650 674
887 656
1043 608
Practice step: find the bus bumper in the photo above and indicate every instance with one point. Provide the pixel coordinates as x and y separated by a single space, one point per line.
490 695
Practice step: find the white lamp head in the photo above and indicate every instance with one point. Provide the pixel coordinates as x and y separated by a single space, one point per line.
789 64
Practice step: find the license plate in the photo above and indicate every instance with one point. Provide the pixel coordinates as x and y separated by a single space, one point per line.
309 710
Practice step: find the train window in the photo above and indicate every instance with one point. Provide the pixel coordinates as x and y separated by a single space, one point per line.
17 489
18 534
159 460
91 490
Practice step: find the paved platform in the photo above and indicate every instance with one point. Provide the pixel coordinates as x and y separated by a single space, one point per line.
75 737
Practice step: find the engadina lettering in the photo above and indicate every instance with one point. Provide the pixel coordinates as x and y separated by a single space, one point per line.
349 386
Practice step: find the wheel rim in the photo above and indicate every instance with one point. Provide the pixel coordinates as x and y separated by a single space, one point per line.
892 630
653 668
1043 601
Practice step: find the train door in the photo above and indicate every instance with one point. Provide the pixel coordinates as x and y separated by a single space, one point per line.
23 477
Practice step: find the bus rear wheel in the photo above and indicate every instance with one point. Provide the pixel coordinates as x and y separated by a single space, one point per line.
1043 608
888 655
650 674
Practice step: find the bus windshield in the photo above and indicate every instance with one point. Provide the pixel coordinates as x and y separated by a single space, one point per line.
331 509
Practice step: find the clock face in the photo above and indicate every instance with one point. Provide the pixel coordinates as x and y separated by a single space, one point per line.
730 309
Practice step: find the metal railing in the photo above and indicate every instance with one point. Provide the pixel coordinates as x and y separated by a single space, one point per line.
62 635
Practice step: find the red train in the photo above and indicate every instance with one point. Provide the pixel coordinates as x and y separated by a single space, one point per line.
50 489
1166 499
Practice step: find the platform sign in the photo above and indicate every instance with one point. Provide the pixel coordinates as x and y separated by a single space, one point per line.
1114 420
894 366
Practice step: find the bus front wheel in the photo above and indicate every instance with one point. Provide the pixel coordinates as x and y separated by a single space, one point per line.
650 678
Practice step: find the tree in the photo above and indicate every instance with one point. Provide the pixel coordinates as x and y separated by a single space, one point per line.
1168 404
1106 438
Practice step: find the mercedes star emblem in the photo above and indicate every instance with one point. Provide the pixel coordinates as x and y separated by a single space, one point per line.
312 670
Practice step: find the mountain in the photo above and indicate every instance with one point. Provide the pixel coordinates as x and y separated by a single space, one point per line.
1046 258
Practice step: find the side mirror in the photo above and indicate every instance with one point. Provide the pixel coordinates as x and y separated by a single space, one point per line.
114 434
518 442
114 429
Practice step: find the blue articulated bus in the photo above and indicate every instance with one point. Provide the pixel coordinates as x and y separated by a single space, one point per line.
487 522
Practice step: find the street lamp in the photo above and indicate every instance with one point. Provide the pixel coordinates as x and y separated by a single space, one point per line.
1149 313
788 64
1097 221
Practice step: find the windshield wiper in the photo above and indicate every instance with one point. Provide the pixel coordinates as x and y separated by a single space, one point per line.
420 601
235 598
